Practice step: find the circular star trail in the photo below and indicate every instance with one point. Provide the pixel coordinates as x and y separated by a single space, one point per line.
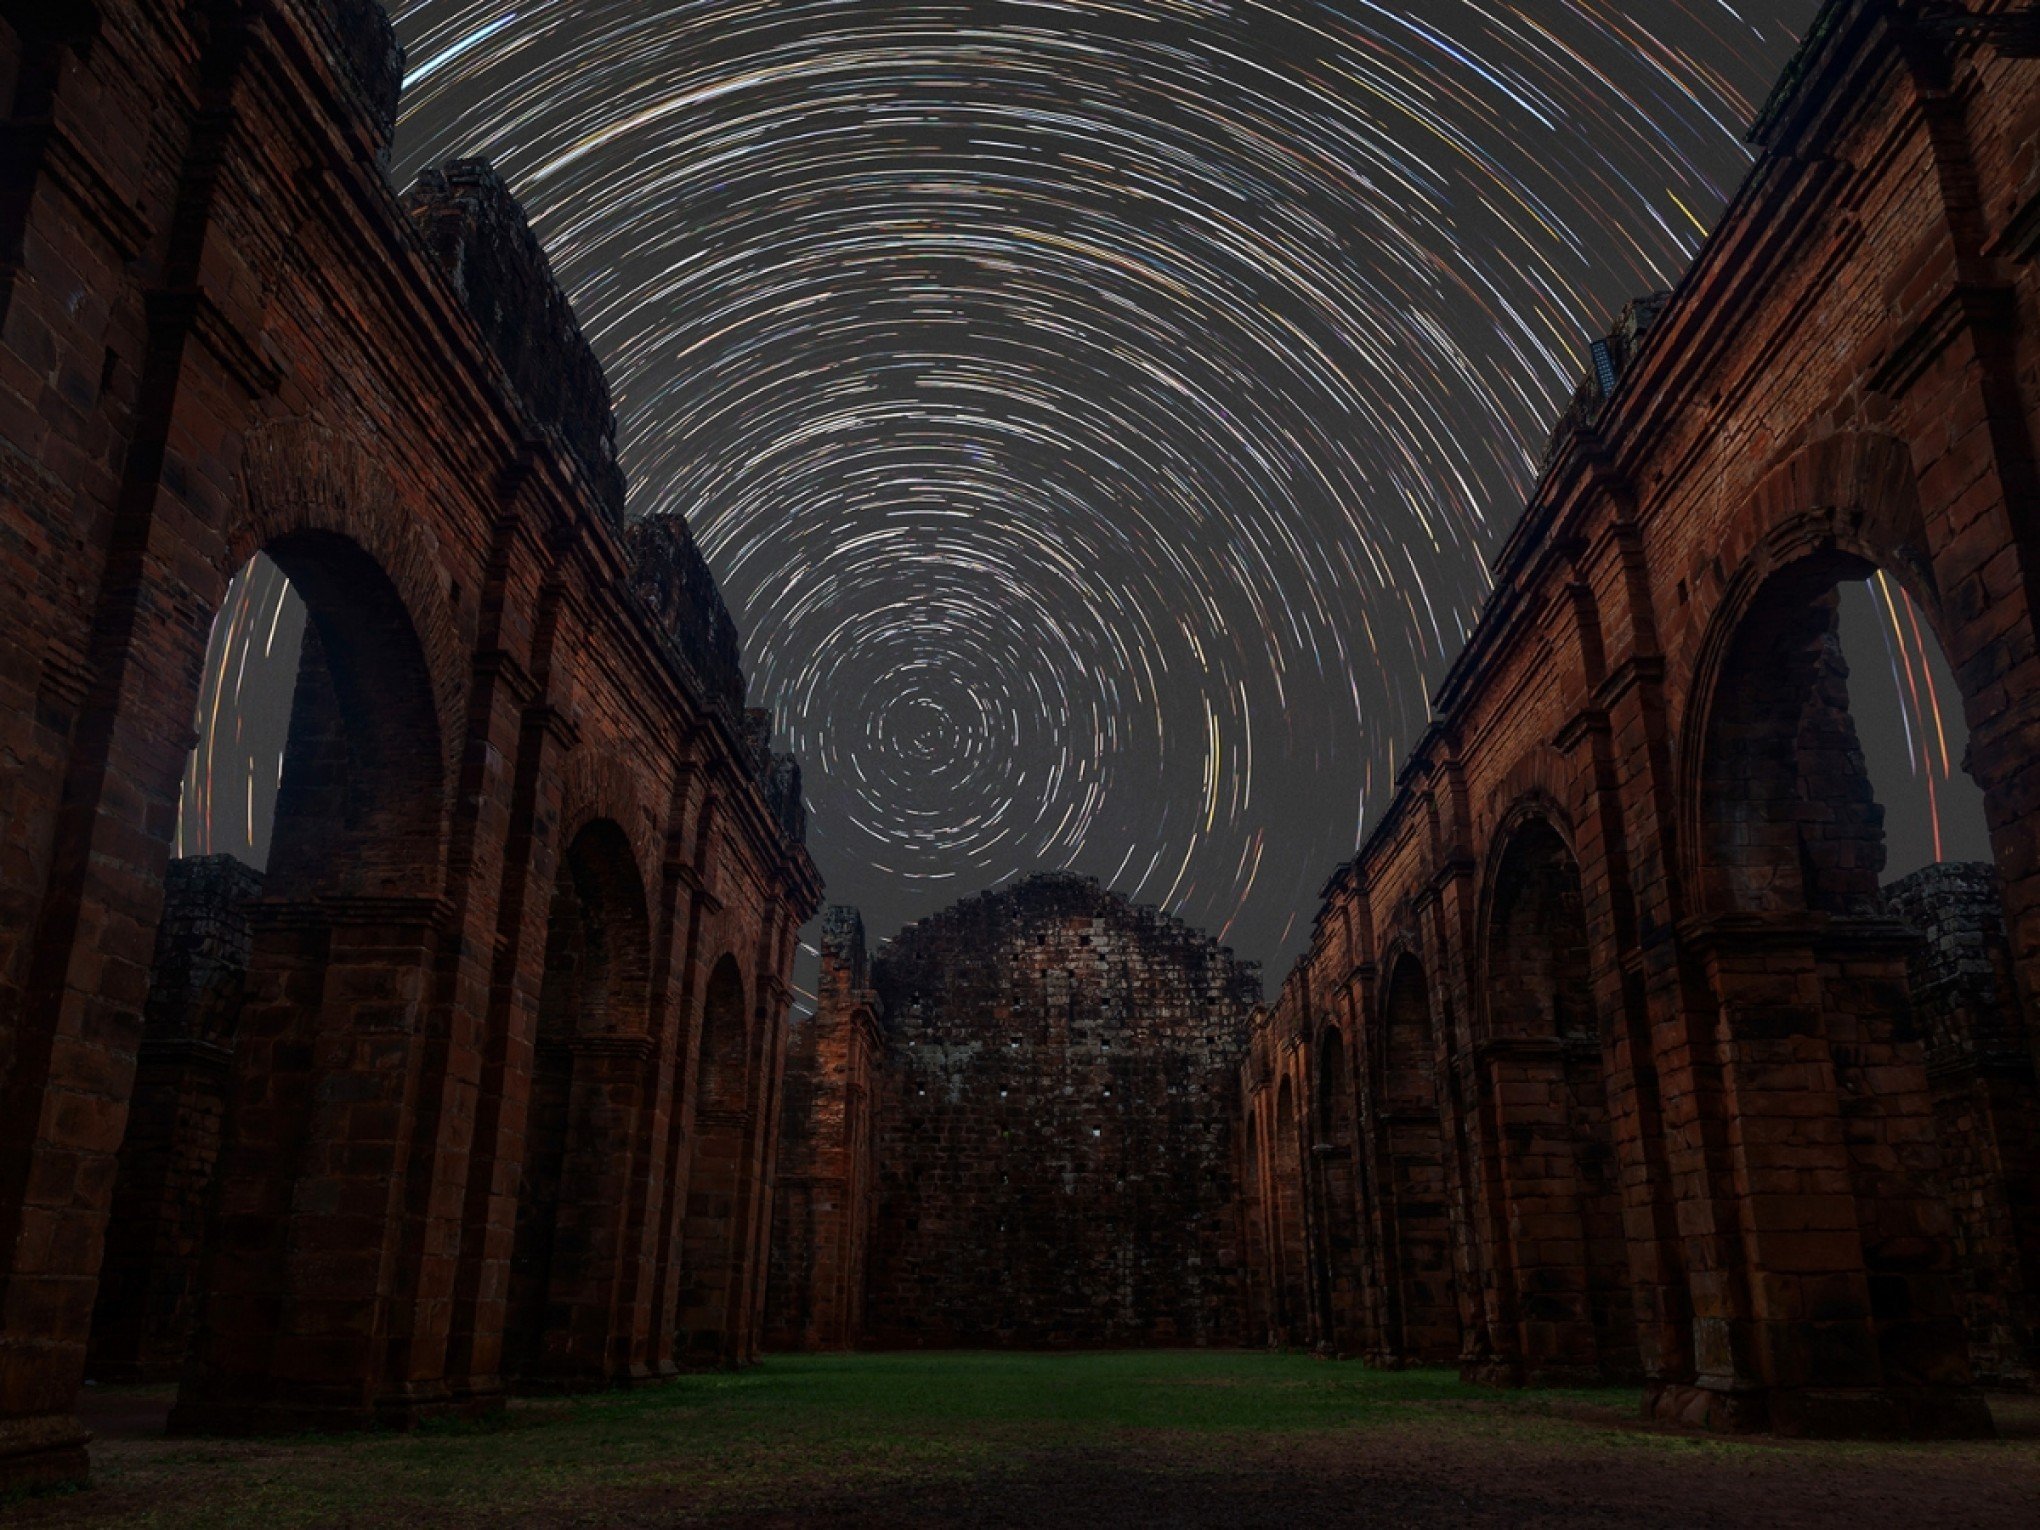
1097 414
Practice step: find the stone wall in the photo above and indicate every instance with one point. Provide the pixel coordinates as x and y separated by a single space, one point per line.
534 875
1054 1141
141 1326
1607 1030
822 1199
1980 1067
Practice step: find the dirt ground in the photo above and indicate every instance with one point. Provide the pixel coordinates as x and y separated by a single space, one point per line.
1212 1441
1339 1483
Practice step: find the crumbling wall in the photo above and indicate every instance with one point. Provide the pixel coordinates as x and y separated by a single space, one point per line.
1055 1155
472 225
1980 1069
822 1200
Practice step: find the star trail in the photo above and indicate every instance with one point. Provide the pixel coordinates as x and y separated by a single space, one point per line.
1099 415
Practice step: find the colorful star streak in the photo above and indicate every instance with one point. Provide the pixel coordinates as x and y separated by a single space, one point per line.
229 801
1098 415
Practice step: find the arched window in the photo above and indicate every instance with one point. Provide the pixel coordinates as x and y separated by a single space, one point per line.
343 734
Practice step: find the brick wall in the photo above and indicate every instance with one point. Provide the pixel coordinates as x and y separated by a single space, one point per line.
1054 1136
141 1325
823 1204
1681 1118
517 717
1980 1068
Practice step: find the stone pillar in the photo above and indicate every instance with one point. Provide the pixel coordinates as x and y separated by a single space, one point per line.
141 1326
1613 736
509 705
685 904
100 639
309 1216
1981 1076
822 1197
1851 1326
582 1343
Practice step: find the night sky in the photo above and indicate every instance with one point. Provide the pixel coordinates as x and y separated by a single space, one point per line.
1099 415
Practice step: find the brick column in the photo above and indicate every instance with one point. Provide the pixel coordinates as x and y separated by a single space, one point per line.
586 1340
141 1326
1980 1071
822 1194
117 654
514 722
1851 1327
299 1257
692 903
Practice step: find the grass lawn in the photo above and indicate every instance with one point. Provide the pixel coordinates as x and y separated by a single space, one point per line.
1156 1437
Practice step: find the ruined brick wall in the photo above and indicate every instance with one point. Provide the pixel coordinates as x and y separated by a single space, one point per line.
1055 1148
1980 1066
142 1323
1659 1088
535 876
822 1197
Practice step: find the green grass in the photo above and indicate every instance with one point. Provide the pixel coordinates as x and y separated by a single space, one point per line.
798 1429
1171 1390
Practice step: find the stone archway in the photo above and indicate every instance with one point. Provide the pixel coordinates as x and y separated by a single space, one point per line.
719 1176
1426 1311
309 1208
1564 1245
1338 1196
581 1129
1818 1037
1289 1282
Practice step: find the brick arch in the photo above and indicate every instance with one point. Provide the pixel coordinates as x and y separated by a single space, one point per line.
1327 1043
1536 784
1404 943
1784 863
1836 510
1562 1245
722 1172
1776 802
1534 804
299 476
727 1001
347 936
1532 818
598 942
1855 491
1410 1054
1857 486
1423 1313
597 785
1851 496
1400 931
586 1098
